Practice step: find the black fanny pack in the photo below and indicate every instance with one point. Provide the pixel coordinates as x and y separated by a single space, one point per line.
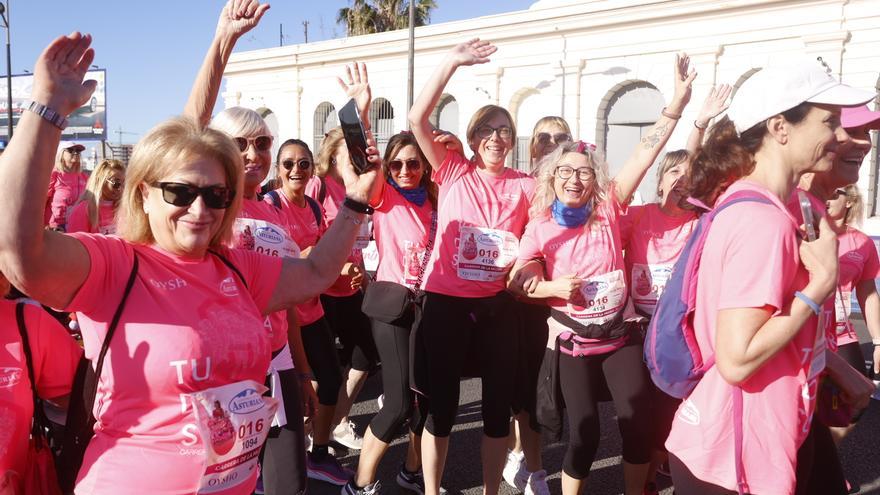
612 329
387 302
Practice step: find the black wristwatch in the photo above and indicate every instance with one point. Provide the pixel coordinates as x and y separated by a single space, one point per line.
357 206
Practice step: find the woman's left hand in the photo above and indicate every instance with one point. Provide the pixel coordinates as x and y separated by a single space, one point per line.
59 72
360 187
357 87
238 17
684 76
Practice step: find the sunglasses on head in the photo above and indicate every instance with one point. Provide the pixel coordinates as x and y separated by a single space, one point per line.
261 143
302 164
559 137
179 194
411 164
115 183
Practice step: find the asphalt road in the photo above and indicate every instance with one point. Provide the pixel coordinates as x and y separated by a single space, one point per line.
859 452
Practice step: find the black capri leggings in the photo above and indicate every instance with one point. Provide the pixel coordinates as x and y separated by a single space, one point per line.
323 359
352 326
580 379
284 458
852 354
450 326
392 342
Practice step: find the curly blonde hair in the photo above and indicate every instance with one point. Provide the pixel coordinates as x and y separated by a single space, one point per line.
545 193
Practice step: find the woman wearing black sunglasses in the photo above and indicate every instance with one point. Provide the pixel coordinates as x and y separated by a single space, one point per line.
191 328
96 209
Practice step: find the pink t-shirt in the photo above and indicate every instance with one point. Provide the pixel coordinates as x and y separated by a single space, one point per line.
401 231
64 189
78 219
591 253
480 220
858 262
333 199
261 228
653 242
189 325
750 260
55 356
305 232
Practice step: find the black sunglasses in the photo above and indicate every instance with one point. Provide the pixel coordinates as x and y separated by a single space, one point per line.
261 143
411 164
546 137
179 194
302 164
115 184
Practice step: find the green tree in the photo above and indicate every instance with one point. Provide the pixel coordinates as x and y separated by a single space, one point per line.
376 16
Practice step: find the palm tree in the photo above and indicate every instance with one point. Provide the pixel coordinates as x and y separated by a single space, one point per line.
376 16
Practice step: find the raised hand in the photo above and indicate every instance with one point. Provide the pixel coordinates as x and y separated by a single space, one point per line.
472 52
59 72
359 187
239 17
684 76
449 140
716 102
357 85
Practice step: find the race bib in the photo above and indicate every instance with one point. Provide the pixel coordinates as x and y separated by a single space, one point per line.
485 255
362 240
842 310
263 237
648 282
599 300
234 422
413 259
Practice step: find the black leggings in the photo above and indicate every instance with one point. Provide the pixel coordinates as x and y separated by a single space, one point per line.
284 458
323 359
687 484
580 380
352 326
450 327
533 344
392 342
819 471
852 354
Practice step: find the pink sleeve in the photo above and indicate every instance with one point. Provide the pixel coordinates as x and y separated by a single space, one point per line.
55 353
110 260
384 202
742 242
78 219
529 245
629 221
261 273
454 165
872 260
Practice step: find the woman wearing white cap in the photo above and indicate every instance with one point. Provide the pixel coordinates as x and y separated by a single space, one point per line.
66 185
760 287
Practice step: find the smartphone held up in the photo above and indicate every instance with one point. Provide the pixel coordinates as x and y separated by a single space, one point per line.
355 136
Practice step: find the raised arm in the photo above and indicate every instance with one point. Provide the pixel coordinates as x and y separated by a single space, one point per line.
469 53
48 266
236 18
637 165
715 103
356 84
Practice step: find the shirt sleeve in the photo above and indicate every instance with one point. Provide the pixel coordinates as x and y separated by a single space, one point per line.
454 165
111 261
871 269
530 247
55 354
628 222
262 274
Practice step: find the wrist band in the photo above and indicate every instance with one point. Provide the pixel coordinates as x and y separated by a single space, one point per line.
357 206
48 114
876 341
669 115
703 128
809 302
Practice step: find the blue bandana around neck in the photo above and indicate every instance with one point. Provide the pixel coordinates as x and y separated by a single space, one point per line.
416 196
570 217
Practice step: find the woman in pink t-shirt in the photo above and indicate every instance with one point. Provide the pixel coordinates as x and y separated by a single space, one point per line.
96 209
66 184
192 347
741 426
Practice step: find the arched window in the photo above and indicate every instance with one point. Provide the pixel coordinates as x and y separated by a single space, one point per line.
625 115
382 122
528 106
325 119
445 114
272 121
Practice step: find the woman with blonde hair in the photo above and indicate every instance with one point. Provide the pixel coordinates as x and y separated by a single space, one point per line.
66 184
96 209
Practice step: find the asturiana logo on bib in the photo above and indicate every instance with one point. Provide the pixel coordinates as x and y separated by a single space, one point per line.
9 377
228 287
490 239
269 235
246 402
593 288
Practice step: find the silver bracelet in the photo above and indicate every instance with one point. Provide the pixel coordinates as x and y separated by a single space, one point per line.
47 113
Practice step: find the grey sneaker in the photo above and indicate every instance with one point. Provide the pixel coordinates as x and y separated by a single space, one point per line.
351 489
413 481
344 433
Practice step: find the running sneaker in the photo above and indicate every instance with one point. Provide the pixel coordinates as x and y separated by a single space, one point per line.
381 401
351 489
515 473
344 433
537 483
327 468
413 481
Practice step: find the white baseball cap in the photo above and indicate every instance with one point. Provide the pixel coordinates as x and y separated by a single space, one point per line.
70 145
778 88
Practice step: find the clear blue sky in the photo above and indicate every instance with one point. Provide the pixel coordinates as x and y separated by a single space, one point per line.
152 49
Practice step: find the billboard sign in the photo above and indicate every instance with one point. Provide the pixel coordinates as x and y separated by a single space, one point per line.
86 122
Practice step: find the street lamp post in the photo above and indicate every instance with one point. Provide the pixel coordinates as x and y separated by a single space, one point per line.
4 14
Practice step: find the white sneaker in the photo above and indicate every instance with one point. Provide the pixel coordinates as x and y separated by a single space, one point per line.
515 473
344 433
537 483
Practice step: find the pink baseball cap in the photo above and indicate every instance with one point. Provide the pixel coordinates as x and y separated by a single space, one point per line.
851 117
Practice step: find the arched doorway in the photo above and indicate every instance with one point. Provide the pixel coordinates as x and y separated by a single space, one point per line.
445 114
324 120
382 122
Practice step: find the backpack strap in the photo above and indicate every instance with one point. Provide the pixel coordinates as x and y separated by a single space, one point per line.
316 209
40 421
322 191
274 198
113 324
230 265
740 197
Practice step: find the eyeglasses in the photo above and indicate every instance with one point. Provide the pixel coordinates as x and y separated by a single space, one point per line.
261 143
302 164
840 192
560 137
115 184
179 194
485 132
411 164
584 174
